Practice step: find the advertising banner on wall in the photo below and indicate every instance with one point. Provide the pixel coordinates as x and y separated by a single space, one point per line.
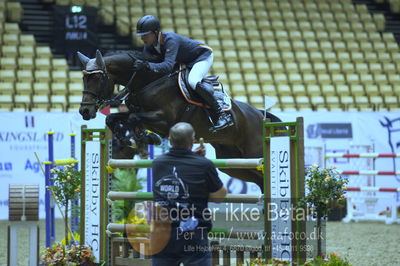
346 132
22 134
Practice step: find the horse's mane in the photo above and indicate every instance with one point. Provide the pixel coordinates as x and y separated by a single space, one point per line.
134 53
137 54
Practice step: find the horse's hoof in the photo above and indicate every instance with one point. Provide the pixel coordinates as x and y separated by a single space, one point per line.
132 143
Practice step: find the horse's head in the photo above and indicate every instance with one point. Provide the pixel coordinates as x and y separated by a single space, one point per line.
97 85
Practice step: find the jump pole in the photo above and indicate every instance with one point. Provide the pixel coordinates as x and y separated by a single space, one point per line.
219 163
94 223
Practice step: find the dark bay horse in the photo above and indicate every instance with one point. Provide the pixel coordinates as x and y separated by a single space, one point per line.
161 105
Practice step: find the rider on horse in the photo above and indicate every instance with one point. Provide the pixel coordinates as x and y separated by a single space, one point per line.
175 48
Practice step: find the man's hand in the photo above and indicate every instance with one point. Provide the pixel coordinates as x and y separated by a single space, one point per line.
140 65
201 150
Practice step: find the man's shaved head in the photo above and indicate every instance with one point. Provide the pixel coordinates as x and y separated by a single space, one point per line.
181 135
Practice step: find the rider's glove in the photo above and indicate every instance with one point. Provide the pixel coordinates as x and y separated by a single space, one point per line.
140 65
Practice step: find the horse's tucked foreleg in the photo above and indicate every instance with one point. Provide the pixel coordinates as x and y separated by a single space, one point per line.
151 120
144 121
116 122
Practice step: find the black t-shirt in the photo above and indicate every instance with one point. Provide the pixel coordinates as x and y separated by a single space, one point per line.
182 181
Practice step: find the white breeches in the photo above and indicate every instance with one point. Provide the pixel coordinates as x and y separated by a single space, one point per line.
200 70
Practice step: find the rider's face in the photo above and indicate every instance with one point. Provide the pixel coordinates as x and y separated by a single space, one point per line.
149 39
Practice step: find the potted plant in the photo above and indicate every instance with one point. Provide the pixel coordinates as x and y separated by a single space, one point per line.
73 254
66 188
324 185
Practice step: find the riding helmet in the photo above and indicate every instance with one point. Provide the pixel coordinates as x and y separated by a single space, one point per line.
147 24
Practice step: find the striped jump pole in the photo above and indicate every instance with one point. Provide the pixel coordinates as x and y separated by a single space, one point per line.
373 189
361 155
219 163
368 172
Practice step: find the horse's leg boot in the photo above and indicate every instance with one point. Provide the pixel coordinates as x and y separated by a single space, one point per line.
150 138
206 91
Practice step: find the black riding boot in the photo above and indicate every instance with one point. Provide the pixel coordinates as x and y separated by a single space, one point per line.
206 91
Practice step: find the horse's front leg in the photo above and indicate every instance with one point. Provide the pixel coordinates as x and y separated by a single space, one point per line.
149 120
117 122
113 121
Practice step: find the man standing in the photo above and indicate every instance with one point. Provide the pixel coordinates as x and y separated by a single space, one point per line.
183 183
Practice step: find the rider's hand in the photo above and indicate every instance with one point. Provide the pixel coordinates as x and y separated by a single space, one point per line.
140 65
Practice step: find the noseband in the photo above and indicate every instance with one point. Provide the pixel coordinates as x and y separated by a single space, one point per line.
103 83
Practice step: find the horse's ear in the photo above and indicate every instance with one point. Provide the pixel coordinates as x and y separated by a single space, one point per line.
83 58
100 61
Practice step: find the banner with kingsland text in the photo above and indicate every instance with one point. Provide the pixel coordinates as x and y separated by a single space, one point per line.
24 133
280 198
92 197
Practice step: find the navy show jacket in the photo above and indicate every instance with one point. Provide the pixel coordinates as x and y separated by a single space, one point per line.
174 49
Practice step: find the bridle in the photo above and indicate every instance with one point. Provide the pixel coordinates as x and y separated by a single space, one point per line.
101 102
103 83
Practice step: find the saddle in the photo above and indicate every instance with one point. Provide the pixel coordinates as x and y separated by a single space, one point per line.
192 97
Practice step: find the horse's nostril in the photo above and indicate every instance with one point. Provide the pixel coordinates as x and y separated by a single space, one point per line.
84 112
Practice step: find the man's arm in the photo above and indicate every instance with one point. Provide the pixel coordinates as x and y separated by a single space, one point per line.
218 196
171 51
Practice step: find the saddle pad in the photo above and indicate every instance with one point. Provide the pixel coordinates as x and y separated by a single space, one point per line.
192 97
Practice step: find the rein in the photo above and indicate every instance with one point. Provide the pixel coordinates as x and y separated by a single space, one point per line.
122 95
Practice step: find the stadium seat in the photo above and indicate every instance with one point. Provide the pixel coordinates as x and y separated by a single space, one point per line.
25 63
7 88
43 52
9 51
8 63
335 50
42 63
27 40
58 88
23 88
26 51
25 76
41 88
7 75
59 64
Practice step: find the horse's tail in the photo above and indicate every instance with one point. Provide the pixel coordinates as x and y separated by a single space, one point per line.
268 115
